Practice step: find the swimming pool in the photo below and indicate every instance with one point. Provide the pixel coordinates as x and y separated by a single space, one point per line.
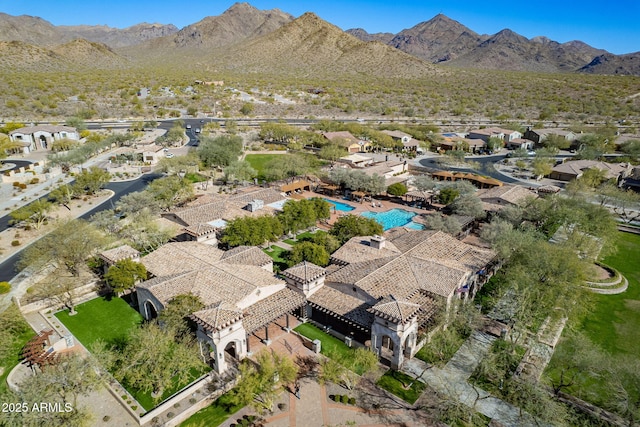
342 207
394 218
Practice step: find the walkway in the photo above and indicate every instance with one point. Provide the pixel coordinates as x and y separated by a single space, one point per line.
452 380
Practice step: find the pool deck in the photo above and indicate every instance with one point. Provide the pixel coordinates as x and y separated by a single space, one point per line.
366 207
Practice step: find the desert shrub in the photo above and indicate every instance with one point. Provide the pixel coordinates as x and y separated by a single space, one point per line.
15 243
171 415
34 180
106 418
16 184
344 399
4 287
352 401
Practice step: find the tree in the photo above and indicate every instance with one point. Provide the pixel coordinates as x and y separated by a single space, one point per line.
63 195
443 223
558 142
425 183
593 177
494 143
252 231
145 234
261 382
308 251
300 214
240 170
448 195
65 248
468 205
220 151
332 152
6 144
124 274
63 382
151 360
170 191
92 180
330 243
542 166
174 316
138 203
398 189
76 122
34 213
287 166
350 226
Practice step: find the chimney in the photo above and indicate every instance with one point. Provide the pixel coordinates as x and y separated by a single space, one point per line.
377 242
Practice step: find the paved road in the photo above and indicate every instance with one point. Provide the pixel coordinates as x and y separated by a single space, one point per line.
8 267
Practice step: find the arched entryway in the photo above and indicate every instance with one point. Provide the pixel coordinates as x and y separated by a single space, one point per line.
230 349
150 311
43 142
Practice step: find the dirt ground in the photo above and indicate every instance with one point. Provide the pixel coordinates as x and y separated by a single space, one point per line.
26 237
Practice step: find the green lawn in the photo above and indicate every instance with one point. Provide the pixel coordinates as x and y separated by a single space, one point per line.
258 161
102 318
398 383
307 235
612 324
331 346
213 415
280 263
148 403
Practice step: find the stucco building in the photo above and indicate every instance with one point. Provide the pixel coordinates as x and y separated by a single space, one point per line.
41 137
382 291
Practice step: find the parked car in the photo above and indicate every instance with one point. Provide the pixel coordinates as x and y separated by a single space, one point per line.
169 155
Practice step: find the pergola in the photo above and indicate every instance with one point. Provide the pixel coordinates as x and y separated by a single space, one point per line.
34 352
329 187
443 175
360 194
297 185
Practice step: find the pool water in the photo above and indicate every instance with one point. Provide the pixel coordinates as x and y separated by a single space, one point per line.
342 207
394 218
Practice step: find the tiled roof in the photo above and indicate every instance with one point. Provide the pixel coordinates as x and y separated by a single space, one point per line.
355 271
268 195
211 284
513 194
118 254
217 317
576 167
341 136
246 255
345 305
180 257
210 208
358 249
43 128
428 306
395 310
304 272
432 261
199 229
271 307
405 239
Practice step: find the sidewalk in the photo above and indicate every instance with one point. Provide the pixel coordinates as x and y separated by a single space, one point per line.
452 380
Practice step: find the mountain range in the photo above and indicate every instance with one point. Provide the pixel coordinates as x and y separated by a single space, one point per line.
245 38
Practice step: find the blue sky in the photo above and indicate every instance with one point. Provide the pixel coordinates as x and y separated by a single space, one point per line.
613 25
